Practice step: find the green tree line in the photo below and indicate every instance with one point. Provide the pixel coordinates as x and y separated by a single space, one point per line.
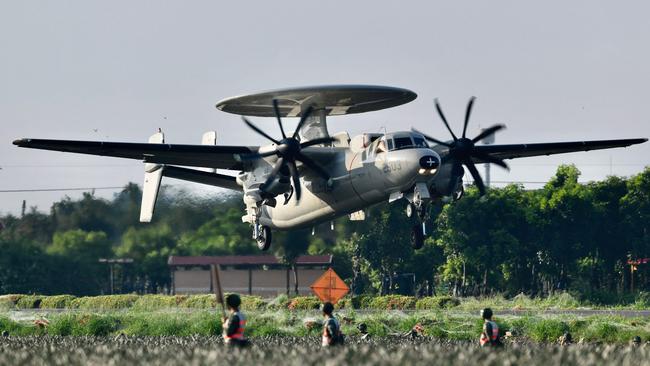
564 236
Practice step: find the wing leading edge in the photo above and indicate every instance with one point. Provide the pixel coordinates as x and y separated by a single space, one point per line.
527 150
221 157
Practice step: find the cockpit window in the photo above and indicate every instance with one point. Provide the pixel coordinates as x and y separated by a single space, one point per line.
403 142
390 144
419 141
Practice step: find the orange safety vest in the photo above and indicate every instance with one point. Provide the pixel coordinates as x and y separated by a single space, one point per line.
239 334
493 337
328 339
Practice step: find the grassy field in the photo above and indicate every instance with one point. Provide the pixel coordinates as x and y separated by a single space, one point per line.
441 324
53 350
443 318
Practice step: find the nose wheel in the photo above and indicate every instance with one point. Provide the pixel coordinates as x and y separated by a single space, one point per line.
263 238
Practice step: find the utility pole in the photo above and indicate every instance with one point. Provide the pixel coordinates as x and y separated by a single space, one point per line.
111 262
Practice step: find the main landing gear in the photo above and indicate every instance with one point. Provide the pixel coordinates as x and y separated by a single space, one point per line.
418 211
263 237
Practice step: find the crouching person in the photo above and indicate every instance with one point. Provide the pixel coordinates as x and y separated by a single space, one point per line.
490 333
332 335
234 325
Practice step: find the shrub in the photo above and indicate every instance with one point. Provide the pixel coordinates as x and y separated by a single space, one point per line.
393 302
436 302
29 302
200 302
304 303
107 302
252 303
153 302
57 302
9 301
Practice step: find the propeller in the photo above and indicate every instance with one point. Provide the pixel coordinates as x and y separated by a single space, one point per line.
288 149
461 150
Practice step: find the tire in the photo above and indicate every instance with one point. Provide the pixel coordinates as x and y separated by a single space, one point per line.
417 237
410 209
264 239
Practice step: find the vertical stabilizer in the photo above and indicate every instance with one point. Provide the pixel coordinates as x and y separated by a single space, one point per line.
209 138
151 186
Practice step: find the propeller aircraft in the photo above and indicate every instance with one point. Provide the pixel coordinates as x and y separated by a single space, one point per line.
307 177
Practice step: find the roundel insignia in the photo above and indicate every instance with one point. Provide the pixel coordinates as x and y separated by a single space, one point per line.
429 162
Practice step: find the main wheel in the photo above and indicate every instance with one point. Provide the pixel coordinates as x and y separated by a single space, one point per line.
264 238
417 237
410 208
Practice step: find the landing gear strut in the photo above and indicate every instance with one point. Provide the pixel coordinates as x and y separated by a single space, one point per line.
263 238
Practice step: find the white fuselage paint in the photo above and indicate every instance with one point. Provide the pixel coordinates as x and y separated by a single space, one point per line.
361 179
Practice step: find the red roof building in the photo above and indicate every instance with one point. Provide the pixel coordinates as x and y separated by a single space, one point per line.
262 275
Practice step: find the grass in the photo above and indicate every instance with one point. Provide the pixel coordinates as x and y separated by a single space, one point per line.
442 325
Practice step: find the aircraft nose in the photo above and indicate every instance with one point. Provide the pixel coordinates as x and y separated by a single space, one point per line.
429 162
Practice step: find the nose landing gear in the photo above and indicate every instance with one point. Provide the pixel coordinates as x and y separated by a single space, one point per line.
263 237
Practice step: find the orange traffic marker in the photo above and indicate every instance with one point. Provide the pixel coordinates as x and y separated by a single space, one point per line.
330 287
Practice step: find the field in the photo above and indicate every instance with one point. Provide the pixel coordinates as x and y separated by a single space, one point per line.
170 330
195 350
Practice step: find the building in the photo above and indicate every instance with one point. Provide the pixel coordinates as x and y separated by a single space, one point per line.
261 275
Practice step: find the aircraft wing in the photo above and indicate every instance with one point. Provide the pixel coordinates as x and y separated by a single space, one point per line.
526 150
207 156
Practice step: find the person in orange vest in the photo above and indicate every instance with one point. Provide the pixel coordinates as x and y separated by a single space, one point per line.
234 325
332 334
490 334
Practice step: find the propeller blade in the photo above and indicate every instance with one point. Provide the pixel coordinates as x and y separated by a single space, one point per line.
318 141
293 170
488 132
468 112
303 118
444 120
257 155
477 177
491 159
275 171
311 164
256 129
276 109
431 138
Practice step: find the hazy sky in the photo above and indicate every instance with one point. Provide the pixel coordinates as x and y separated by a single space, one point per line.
118 70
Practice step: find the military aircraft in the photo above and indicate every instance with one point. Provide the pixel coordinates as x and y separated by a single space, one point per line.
310 176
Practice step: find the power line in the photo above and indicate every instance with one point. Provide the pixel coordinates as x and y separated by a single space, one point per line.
57 189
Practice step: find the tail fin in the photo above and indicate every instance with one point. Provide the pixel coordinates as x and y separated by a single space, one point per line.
151 186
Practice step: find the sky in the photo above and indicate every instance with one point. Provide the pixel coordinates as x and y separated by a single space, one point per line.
119 70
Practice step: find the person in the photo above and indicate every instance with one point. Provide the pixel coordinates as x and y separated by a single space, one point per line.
490 334
235 323
566 339
332 334
636 341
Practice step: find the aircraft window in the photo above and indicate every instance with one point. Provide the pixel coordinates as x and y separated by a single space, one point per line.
381 146
419 142
390 144
403 142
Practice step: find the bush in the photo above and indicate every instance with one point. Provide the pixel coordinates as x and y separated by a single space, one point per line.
393 302
29 302
304 303
200 302
57 302
252 303
154 302
107 302
9 301
436 302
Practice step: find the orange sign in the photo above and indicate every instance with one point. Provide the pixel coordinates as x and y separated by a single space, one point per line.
330 287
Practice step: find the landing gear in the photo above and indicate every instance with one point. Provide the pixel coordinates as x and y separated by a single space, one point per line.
417 236
264 238
410 208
